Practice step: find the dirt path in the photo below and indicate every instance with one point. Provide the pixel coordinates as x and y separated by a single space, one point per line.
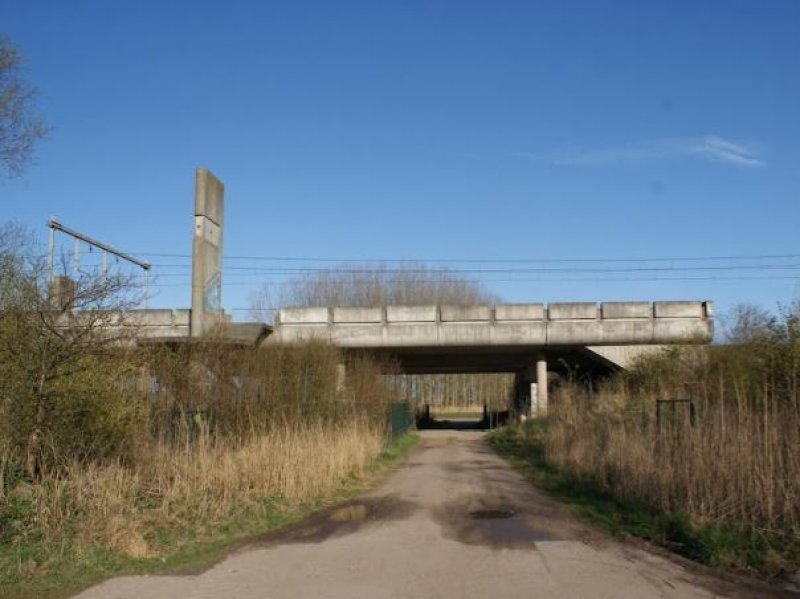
454 521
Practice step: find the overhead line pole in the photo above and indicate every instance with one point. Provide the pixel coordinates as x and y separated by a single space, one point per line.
107 249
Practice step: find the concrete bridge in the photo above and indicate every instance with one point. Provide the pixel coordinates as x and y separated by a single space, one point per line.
530 340
536 342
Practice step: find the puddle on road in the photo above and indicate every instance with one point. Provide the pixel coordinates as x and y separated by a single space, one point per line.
341 520
492 514
350 513
481 522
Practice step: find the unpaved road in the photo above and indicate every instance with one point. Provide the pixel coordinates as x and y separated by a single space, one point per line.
434 528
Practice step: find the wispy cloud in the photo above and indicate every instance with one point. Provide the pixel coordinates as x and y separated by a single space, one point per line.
710 147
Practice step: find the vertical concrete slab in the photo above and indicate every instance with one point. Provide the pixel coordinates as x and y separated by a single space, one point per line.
541 385
209 204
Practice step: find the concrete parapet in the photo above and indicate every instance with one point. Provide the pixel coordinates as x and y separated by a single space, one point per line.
679 309
572 311
357 315
411 313
505 325
303 316
465 313
519 312
626 310
154 317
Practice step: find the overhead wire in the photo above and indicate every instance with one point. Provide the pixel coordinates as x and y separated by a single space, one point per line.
432 260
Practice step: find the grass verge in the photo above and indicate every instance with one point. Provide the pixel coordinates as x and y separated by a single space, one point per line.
60 571
713 545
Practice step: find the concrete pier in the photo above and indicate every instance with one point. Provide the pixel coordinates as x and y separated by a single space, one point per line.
541 386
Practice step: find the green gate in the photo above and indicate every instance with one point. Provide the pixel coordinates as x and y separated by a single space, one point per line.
399 418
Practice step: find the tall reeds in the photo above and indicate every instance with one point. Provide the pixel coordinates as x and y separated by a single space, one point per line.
735 462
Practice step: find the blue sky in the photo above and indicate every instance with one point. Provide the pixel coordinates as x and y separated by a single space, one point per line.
429 130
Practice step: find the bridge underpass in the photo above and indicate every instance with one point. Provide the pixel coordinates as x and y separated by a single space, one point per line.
557 364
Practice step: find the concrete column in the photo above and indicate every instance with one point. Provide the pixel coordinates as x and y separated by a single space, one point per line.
209 202
341 376
541 385
522 397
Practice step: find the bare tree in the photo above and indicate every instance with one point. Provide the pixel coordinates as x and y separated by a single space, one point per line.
261 304
747 323
20 127
410 284
381 285
49 340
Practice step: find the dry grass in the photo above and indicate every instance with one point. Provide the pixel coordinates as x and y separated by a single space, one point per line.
738 465
199 486
225 438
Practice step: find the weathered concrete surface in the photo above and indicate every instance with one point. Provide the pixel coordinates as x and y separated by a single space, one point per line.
138 324
677 310
415 537
209 209
513 325
306 316
411 313
519 312
169 326
573 311
465 313
356 315
626 310
623 356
